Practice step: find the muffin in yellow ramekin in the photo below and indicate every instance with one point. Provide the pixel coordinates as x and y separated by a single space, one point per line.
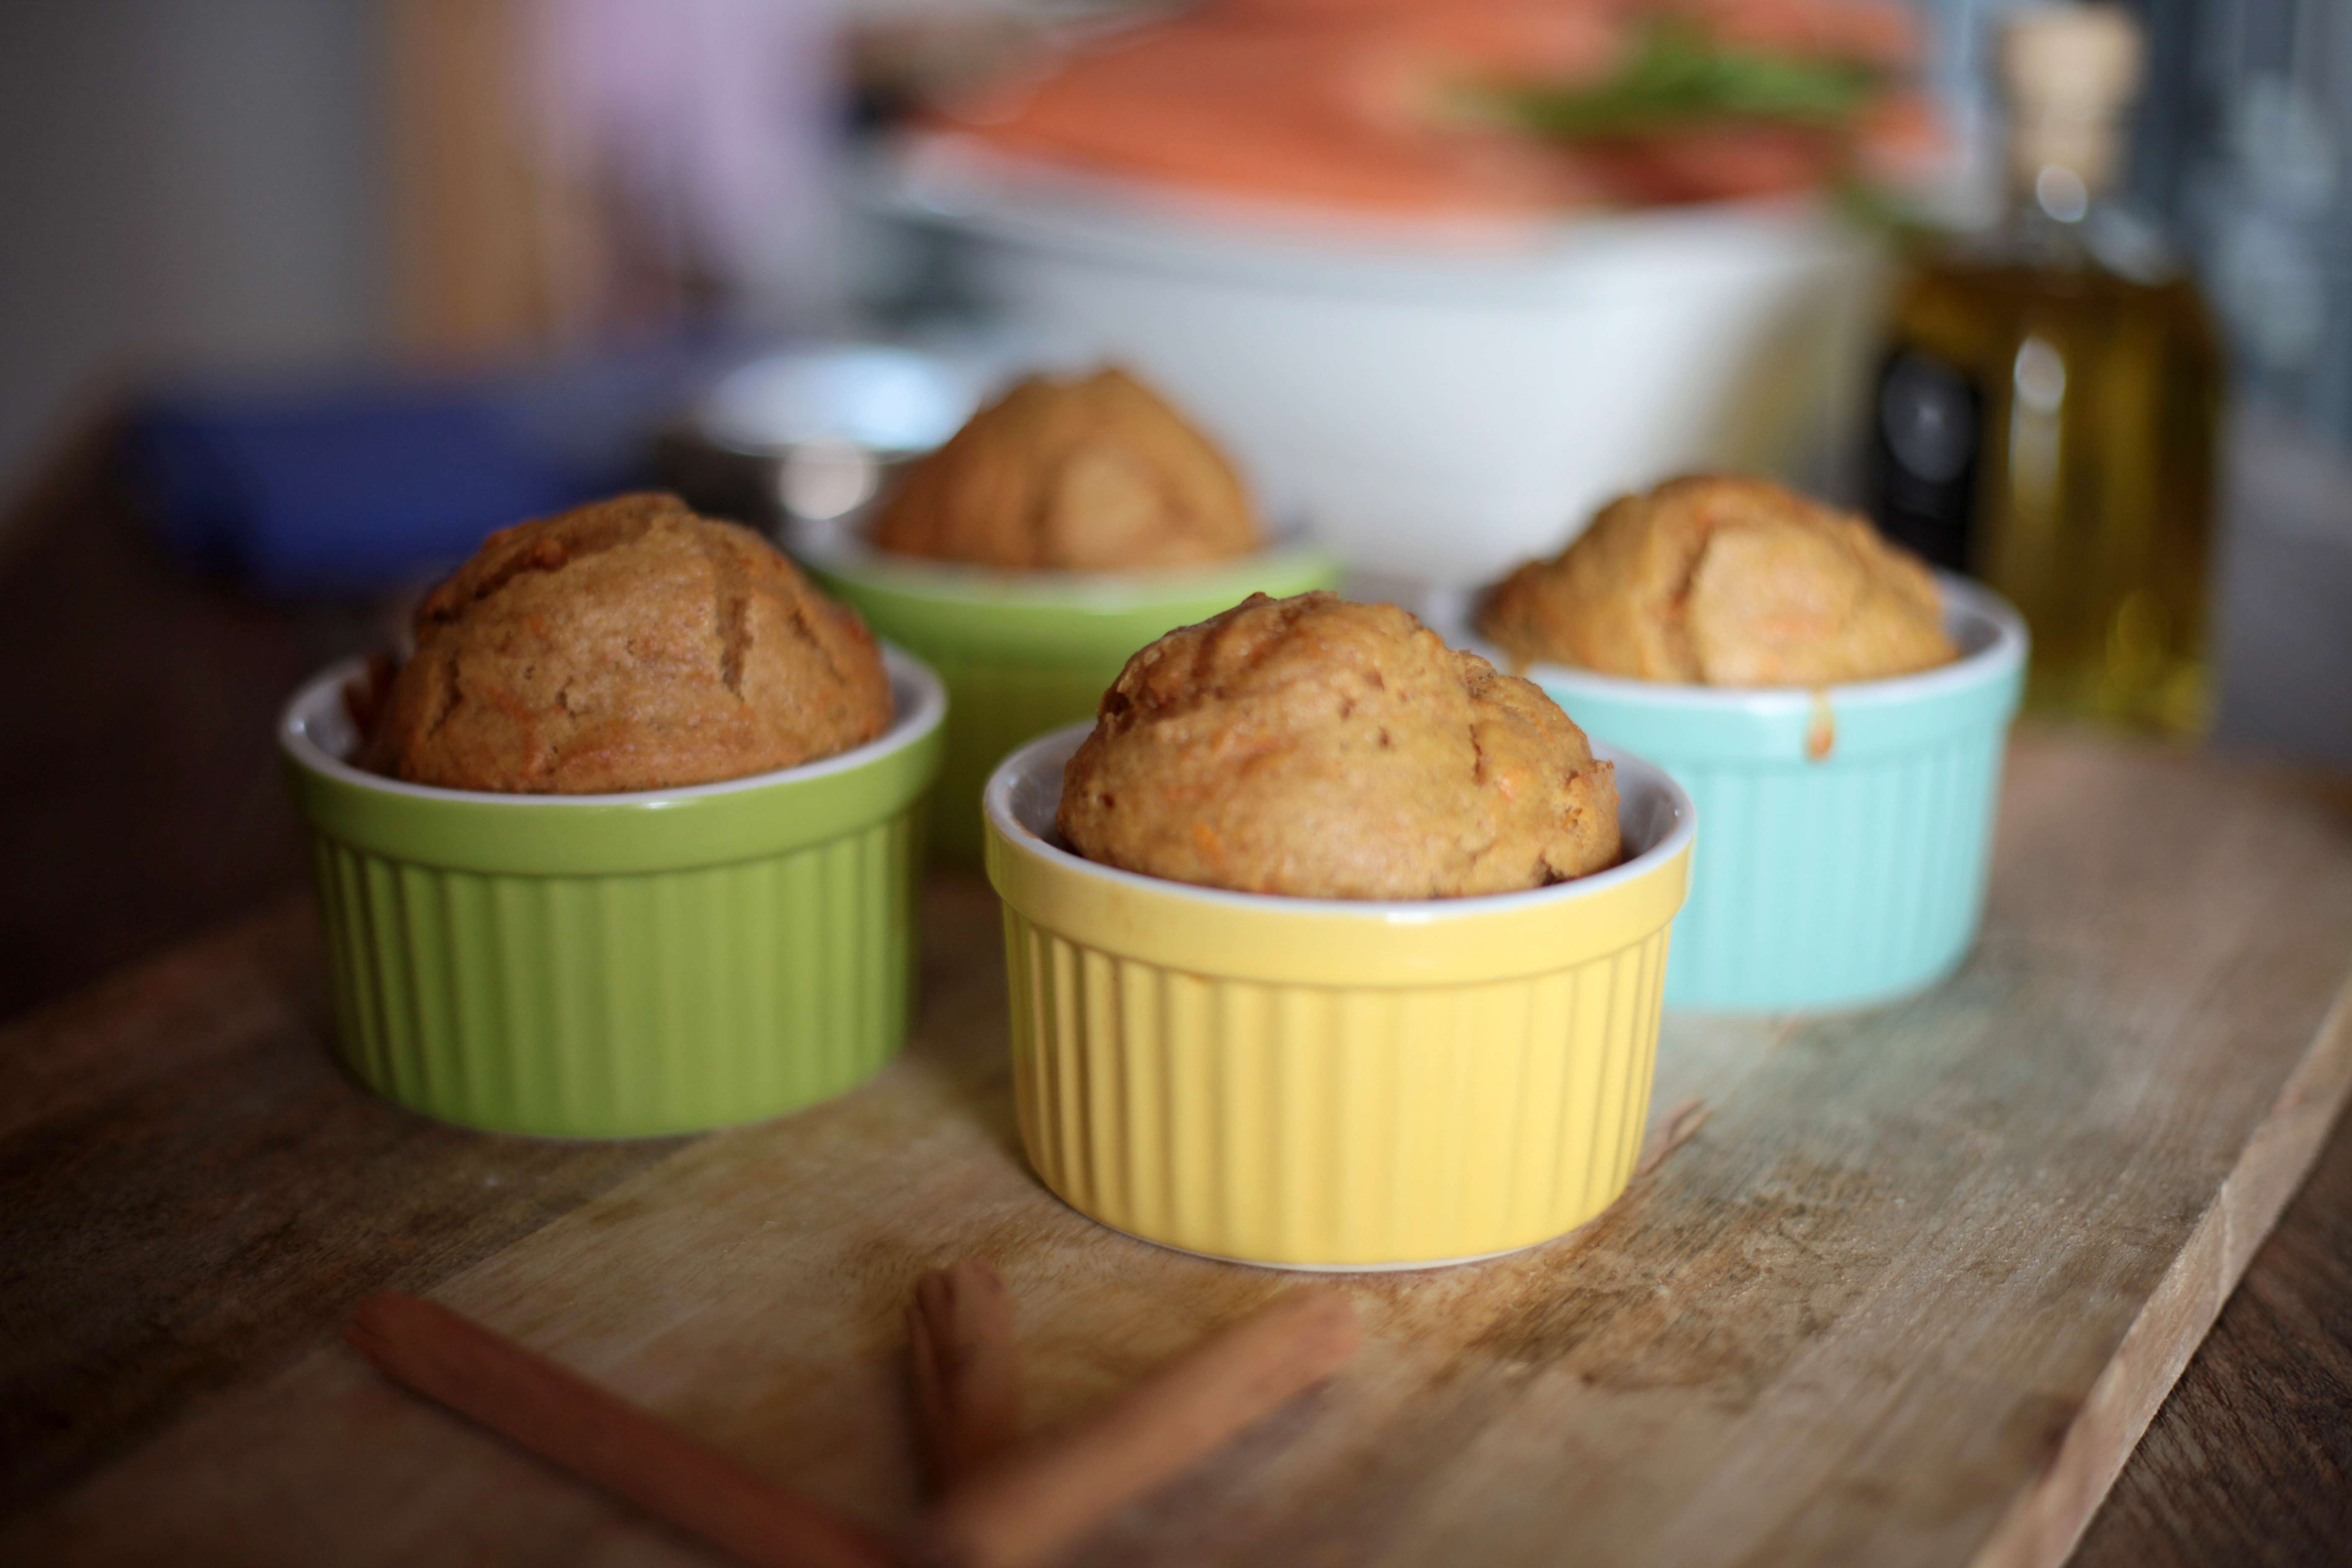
1317 1083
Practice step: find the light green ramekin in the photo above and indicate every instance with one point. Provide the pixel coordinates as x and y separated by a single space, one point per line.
618 966
1846 832
1026 652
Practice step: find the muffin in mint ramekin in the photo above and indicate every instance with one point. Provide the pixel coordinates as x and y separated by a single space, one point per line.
1067 524
1837 713
1386 996
679 893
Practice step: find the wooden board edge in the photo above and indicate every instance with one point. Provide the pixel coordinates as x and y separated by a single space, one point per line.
2042 1526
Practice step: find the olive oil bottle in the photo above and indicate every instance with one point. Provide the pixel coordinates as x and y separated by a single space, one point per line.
2048 407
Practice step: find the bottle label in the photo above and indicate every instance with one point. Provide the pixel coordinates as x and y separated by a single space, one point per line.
1925 439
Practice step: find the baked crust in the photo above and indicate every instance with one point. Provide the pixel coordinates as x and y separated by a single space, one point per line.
1325 749
1724 582
1097 475
629 644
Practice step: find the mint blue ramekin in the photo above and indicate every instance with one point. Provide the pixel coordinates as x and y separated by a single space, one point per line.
1844 833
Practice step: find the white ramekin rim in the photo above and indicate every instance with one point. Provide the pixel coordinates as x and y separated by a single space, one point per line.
1052 750
918 699
1449 612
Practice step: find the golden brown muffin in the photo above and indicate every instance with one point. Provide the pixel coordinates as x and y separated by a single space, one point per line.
629 644
1325 749
1097 475
1724 582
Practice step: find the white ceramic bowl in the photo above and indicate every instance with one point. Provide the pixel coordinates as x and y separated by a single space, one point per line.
1437 404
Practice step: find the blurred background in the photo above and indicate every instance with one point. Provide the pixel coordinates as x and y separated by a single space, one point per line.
266 183
299 299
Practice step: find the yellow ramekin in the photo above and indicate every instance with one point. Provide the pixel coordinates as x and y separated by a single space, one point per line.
1315 1083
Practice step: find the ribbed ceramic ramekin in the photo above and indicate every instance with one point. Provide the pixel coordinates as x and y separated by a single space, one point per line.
1324 1084
1025 652
1849 830
618 966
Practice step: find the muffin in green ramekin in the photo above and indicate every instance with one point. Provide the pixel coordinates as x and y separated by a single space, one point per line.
1070 522
1023 653
618 966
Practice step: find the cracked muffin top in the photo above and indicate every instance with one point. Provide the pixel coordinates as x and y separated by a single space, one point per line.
1325 749
1092 475
1724 582
629 644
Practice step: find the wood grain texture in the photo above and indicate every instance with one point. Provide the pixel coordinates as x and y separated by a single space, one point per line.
1865 1310
191 1190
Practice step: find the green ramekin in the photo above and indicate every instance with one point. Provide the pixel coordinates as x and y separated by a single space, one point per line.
1845 833
1025 652
618 966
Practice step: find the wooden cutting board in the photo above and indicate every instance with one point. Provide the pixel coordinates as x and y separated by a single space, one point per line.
1902 1286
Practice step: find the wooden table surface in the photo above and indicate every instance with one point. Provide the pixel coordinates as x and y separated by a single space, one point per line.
158 1295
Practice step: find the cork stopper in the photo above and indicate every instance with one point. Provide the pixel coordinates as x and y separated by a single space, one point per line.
2069 72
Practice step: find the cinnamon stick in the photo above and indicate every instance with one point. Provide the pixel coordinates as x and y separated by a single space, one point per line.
965 1370
569 1421
1042 1497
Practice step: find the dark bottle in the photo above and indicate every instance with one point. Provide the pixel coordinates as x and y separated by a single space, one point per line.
2047 409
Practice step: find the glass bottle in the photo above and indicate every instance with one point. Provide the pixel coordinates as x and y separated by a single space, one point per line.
2047 410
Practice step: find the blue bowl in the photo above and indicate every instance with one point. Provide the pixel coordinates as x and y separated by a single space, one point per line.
1844 833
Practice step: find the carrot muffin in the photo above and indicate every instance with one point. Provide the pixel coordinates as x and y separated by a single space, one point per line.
629 644
1325 749
1724 582
1097 475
